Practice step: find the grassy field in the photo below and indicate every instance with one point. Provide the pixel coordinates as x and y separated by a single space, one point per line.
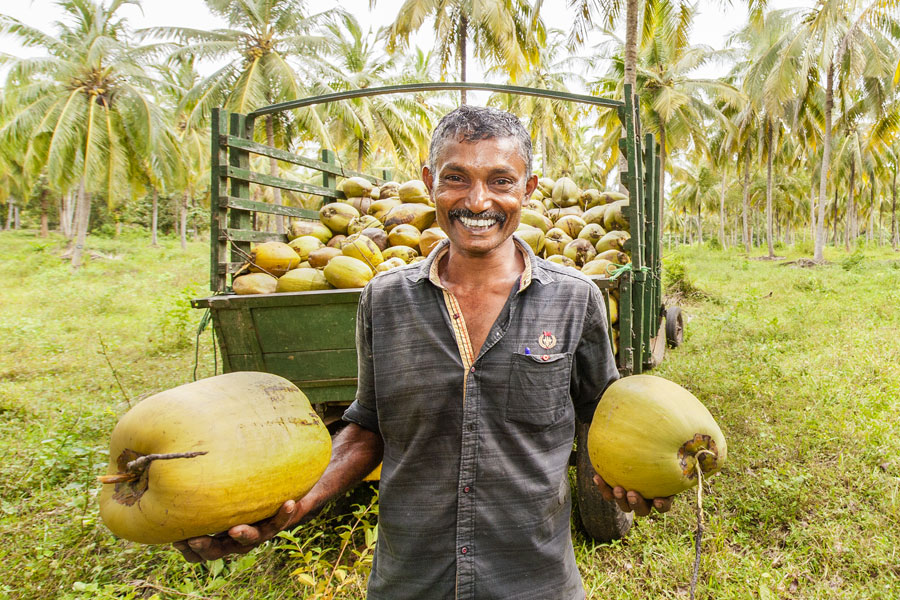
801 367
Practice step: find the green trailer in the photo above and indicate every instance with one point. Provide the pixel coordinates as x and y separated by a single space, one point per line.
309 337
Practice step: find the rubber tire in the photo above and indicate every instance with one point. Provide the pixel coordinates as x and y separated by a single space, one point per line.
674 327
601 520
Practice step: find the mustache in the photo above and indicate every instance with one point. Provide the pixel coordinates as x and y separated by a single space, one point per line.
468 214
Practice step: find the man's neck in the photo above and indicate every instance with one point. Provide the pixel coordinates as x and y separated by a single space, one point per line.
465 271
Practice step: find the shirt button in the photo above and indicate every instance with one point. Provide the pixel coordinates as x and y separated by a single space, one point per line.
464 550
467 489
472 369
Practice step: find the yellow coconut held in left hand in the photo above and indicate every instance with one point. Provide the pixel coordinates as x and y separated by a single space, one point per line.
650 434
205 456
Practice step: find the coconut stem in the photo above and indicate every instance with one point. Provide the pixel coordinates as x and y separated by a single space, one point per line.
698 536
135 467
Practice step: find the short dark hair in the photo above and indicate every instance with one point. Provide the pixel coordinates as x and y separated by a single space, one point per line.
472 123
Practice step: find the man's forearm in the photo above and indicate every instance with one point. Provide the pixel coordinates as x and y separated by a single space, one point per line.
355 453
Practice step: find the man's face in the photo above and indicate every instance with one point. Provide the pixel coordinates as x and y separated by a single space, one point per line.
479 189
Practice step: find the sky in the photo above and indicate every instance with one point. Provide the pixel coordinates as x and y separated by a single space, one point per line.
712 26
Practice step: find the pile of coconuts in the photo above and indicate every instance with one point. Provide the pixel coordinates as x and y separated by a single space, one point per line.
376 229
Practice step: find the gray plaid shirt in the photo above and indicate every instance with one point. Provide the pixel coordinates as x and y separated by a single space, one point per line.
474 493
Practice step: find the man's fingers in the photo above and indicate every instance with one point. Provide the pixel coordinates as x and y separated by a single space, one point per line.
640 506
604 488
619 494
663 504
188 554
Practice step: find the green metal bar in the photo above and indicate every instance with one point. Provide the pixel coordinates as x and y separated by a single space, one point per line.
265 207
290 157
246 175
217 188
433 87
238 159
626 350
245 235
651 191
328 179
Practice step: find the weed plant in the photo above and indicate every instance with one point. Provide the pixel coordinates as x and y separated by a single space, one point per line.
800 367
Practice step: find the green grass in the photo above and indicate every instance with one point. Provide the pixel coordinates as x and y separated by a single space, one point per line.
801 368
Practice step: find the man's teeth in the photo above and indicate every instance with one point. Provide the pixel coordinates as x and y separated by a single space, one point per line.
477 223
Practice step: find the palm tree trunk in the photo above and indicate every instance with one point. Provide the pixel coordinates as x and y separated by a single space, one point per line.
45 217
813 200
631 19
819 253
462 32
154 219
851 207
10 213
769 216
722 212
82 220
699 222
745 203
184 215
895 234
273 171
834 220
67 214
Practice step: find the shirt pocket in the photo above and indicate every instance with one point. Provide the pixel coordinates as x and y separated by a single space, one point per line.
538 388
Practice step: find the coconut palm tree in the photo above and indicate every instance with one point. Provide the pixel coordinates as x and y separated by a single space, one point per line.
676 106
262 37
389 127
507 33
550 122
845 41
82 114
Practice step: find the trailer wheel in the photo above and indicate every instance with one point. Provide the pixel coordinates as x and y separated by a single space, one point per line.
674 327
601 520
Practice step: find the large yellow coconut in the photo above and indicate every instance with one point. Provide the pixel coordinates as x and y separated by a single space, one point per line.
249 442
536 219
254 283
579 250
597 266
594 214
356 186
361 203
571 224
565 192
545 186
404 235
592 232
337 216
305 244
532 236
302 280
414 192
390 263
563 260
431 237
614 256
360 247
380 208
377 235
649 434
420 216
555 242
275 258
346 272
615 218
313 228
361 222
614 240
389 189
404 253
319 258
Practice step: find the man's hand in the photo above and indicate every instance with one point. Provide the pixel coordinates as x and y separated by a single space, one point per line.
629 500
240 539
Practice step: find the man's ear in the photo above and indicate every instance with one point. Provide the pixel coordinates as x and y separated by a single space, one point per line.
530 186
428 178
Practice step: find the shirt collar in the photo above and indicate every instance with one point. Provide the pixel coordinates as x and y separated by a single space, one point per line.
429 267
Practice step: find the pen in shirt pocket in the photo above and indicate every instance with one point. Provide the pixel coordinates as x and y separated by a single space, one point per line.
527 350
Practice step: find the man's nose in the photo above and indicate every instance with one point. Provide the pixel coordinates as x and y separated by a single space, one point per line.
478 199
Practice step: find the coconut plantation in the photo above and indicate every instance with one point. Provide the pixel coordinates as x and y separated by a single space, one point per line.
153 208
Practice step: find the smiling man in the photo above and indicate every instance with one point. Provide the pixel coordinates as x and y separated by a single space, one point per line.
473 368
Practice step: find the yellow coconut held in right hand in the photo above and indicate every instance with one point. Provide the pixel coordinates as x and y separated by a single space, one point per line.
650 435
